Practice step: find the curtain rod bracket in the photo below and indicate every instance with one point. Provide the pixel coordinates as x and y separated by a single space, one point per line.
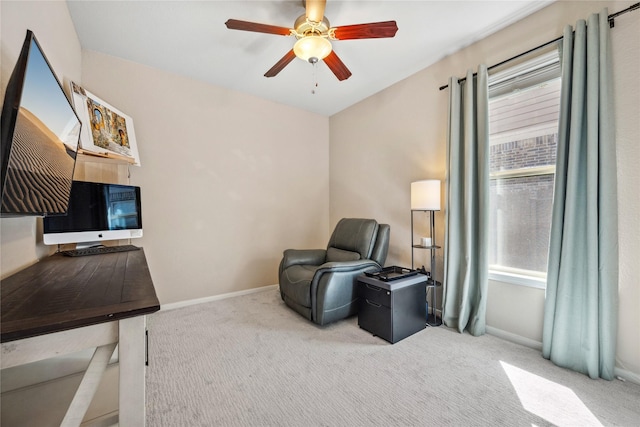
612 17
612 24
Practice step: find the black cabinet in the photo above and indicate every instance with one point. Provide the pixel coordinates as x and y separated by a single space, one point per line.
392 310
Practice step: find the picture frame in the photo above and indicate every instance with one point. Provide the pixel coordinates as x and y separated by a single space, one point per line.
106 131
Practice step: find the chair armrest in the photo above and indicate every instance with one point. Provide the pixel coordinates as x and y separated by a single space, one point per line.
350 269
303 257
334 285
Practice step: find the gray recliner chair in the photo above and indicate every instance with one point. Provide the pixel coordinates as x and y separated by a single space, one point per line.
320 284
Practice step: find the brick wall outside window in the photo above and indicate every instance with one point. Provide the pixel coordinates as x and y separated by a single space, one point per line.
538 151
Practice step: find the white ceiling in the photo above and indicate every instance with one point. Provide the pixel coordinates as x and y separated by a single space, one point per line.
189 38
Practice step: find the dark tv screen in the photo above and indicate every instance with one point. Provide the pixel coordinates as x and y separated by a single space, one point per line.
40 135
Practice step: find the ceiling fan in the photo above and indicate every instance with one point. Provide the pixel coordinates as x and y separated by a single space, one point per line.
313 32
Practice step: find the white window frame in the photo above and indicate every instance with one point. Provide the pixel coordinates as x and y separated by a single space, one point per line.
544 63
519 277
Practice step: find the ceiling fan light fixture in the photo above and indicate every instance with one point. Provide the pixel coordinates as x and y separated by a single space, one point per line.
312 48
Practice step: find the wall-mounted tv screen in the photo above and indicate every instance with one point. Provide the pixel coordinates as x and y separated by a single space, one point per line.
97 212
40 135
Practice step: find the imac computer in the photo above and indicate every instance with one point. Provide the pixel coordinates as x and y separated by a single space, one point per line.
97 212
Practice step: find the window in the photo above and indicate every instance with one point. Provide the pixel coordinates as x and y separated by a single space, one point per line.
524 106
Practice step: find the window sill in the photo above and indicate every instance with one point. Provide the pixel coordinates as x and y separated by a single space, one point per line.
518 279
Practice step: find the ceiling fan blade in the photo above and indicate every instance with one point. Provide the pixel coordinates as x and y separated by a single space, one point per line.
284 61
315 10
373 30
336 65
234 24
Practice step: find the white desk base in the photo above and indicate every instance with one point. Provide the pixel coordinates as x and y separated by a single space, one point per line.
128 334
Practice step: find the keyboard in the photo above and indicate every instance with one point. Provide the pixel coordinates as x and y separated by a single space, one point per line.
99 250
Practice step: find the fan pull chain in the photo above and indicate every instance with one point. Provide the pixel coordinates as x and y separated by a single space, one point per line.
314 77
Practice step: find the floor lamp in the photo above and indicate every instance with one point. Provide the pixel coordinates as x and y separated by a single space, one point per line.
425 196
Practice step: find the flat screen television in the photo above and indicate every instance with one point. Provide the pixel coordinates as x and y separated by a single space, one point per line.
40 132
97 212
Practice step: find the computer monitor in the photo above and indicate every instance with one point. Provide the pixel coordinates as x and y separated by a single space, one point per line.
97 212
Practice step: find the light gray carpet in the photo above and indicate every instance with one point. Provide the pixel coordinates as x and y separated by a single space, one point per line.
251 361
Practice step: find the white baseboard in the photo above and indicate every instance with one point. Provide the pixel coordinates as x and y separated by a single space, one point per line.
624 375
180 304
515 338
621 374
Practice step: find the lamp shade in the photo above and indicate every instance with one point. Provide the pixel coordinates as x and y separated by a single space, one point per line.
312 47
425 195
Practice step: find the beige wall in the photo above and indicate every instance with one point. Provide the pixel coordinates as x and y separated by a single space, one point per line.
228 180
381 145
626 41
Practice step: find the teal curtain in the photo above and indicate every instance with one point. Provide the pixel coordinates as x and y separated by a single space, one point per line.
467 207
580 318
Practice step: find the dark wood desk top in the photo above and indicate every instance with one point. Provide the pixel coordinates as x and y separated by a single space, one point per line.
60 293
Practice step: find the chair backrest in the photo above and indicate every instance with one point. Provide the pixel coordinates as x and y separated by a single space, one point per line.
381 248
358 238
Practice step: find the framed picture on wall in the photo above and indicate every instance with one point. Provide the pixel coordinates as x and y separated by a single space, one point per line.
105 130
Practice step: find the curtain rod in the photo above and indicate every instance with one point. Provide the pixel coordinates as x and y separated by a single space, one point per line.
610 18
